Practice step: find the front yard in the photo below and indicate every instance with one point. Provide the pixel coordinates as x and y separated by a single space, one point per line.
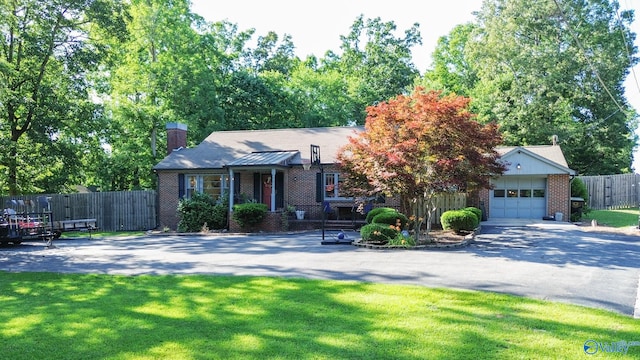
69 316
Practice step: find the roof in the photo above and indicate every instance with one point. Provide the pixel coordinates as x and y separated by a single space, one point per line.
550 154
265 158
284 147
222 148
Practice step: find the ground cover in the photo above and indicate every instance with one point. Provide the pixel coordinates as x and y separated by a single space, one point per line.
74 316
614 218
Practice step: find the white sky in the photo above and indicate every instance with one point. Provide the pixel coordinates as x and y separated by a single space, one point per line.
315 27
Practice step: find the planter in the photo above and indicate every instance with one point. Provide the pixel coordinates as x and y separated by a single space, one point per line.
299 214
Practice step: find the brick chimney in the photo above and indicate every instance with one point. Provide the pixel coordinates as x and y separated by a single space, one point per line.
176 136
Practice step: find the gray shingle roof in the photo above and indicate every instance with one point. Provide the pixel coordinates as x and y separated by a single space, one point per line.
264 147
223 147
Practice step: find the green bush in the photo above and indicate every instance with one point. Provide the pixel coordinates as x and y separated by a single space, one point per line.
458 220
476 211
391 218
378 233
371 214
249 215
199 210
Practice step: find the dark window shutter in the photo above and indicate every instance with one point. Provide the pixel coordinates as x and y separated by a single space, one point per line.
319 186
279 190
180 186
257 184
236 183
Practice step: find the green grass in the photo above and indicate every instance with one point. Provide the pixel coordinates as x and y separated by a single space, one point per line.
99 234
73 316
614 218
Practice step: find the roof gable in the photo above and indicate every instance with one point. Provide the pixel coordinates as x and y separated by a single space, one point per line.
534 160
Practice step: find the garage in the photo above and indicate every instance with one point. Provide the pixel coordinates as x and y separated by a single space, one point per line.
522 197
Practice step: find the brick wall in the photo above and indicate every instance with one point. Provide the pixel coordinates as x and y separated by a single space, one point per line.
559 195
168 198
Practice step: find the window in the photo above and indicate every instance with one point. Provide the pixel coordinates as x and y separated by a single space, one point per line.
512 193
332 186
525 193
538 193
215 185
498 193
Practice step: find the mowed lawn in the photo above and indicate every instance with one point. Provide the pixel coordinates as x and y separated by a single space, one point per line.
74 316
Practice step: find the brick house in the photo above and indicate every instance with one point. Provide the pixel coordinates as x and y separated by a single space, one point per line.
273 167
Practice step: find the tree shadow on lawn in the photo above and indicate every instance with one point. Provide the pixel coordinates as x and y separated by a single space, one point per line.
558 247
191 317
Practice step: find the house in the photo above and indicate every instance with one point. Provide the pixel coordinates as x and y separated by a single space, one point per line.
274 167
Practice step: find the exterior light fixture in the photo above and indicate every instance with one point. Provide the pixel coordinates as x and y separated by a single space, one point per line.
518 166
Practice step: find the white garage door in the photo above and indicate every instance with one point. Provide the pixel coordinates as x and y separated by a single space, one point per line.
519 197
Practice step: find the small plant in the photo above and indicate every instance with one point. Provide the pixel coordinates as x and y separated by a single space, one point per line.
249 215
284 219
166 229
204 229
402 240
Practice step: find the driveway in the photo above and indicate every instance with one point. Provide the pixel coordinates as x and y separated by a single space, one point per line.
544 260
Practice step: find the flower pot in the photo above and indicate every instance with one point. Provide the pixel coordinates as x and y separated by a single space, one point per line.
299 214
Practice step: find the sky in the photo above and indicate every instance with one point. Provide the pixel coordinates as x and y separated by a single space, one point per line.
315 27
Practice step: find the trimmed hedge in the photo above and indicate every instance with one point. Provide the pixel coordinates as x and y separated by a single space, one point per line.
379 233
459 220
391 218
376 211
476 211
249 214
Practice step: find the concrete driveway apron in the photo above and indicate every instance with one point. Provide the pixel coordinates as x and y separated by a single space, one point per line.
544 260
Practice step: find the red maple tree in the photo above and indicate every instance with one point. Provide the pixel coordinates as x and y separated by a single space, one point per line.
419 146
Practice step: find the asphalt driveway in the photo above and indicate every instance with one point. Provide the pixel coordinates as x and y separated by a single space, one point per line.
540 260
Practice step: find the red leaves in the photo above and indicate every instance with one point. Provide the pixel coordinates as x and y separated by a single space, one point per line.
421 143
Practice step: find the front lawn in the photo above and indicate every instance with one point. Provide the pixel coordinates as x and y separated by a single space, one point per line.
73 316
614 218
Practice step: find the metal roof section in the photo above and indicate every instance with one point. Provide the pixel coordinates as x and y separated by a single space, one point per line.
265 158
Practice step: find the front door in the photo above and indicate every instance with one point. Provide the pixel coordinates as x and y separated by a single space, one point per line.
266 190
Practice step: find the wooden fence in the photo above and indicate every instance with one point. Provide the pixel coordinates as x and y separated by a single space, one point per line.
113 211
612 191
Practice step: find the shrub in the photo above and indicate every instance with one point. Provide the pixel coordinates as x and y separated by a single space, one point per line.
458 220
379 233
249 215
376 211
394 218
402 240
201 209
476 211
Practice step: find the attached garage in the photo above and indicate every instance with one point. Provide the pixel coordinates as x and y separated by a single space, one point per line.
535 185
519 197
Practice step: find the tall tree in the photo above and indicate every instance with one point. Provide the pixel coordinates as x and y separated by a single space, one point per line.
48 50
557 68
418 146
376 64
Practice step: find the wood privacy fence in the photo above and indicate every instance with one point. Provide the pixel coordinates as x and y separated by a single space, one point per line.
113 211
612 191
448 202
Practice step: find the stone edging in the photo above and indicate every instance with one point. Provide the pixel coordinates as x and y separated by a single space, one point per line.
467 240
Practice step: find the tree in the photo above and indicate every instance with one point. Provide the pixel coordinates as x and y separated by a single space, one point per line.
47 118
375 63
557 68
418 146
451 68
